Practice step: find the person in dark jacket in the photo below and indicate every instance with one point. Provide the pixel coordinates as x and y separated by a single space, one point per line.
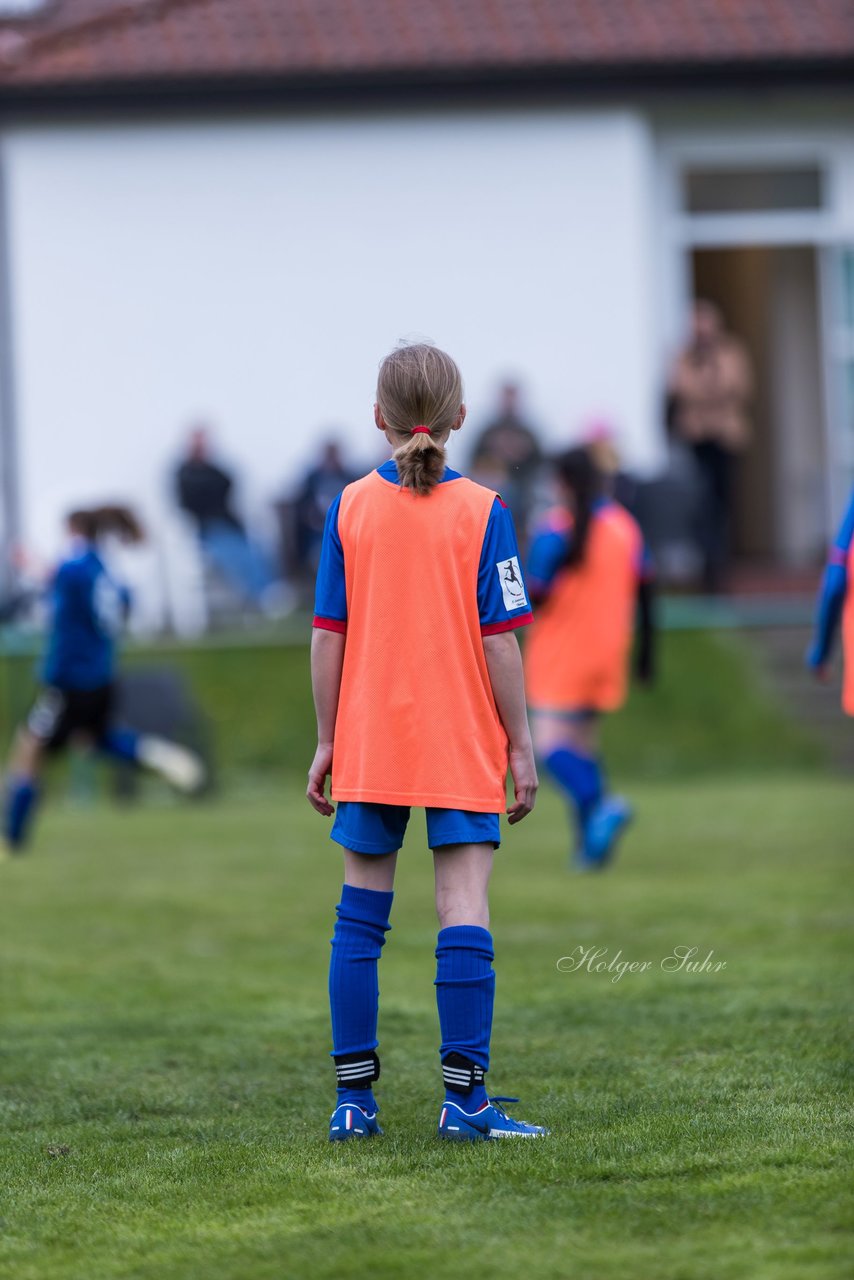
205 492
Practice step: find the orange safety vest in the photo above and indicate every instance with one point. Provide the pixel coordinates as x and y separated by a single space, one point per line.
577 651
417 722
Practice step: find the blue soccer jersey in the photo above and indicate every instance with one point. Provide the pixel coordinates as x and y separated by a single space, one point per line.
88 610
501 596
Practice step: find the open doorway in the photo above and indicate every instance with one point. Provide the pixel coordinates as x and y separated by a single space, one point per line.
769 299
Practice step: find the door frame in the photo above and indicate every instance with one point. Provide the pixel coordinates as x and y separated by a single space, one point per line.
827 231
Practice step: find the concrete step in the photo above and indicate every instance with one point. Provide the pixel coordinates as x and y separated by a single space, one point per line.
780 653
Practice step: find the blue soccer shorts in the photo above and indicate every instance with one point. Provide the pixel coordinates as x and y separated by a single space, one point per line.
380 828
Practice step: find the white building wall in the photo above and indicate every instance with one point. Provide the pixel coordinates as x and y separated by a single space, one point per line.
253 273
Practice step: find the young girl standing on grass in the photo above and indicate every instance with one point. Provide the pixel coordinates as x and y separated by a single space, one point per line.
419 696
587 574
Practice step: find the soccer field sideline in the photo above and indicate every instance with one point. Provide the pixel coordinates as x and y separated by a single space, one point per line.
164 996
712 710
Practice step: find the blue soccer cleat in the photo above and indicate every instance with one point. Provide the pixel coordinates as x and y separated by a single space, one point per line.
491 1121
602 833
349 1121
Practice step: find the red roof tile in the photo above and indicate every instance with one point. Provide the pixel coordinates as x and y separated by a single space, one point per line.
87 42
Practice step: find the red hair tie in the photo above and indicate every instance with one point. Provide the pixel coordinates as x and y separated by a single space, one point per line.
426 430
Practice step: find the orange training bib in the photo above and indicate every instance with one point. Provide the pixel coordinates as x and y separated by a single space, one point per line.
417 722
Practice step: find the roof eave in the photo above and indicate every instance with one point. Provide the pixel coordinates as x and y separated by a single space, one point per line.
376 88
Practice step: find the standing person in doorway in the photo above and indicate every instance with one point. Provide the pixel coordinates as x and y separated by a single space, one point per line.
418 688
709 390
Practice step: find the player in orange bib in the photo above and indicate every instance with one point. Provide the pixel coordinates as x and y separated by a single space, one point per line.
420 701
835 606
586 573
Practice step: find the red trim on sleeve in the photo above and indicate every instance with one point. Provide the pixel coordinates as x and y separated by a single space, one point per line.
329 624
495 628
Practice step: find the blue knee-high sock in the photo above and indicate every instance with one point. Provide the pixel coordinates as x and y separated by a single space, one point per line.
579 777
20 803
363 921
122 744
465 994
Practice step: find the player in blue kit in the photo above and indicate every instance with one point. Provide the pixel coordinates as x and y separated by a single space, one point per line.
88 610
835 606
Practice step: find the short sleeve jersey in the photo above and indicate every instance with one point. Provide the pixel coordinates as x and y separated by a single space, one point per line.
87 612
549 548
416 582
502 598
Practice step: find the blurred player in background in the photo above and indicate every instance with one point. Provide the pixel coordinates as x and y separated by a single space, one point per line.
837 602
506 456
588 578
205 491
88 610
319 488
419 695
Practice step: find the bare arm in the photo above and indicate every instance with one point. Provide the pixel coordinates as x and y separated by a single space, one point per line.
327 660
504 663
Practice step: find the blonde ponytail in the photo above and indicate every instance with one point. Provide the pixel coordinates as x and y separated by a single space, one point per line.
420 463
419 394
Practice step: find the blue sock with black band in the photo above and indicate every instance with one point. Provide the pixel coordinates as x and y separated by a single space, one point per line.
19 807
580 777
360 929
465 995
121 744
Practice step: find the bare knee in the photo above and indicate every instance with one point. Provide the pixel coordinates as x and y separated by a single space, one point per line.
462 884
26 757
370 870
552 733
469 911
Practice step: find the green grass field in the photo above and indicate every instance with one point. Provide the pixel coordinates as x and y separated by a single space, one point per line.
165 1084
708 713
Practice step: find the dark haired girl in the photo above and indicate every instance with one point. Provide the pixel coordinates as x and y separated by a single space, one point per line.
586 573
88 610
